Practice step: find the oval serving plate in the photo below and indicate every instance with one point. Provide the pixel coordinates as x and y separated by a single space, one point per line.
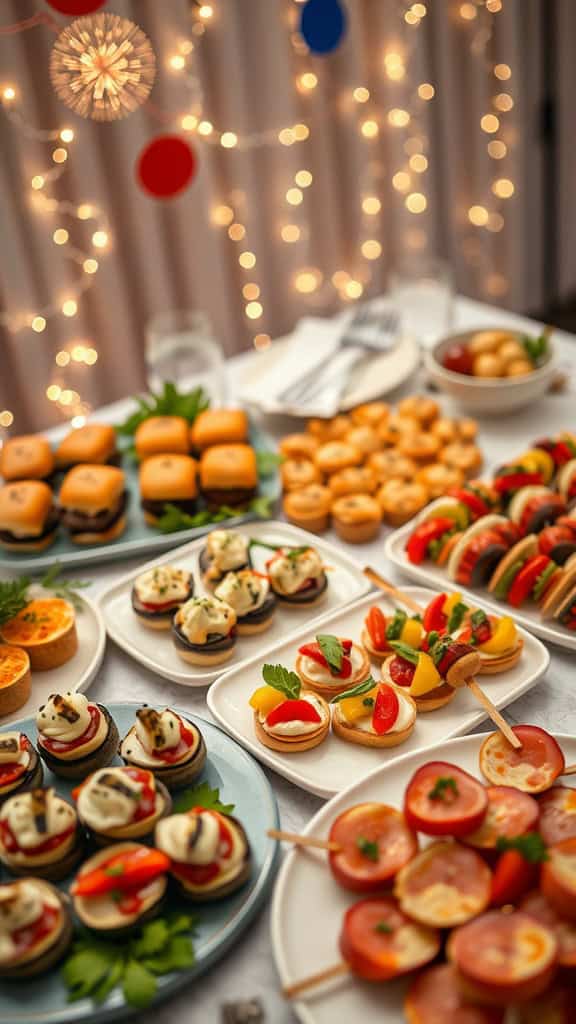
242 782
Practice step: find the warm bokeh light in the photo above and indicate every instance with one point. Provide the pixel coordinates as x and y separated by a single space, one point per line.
90 266
478 215
189 122
222 216
9 93
205 128
290 233
262 341
369 129
303 178
247 260
229 140
286 137
418 163
371 249
497 149
37 181
419 10
353 289
503 101
6 418
495 222
53 392
60 236
90 356
205 11
38 324
100 239
361 94
426 91
468 11
177 62
66 397
307 281
60 155
251 291
339 278
503 188
70 307
236 232
307 81
494 6
401 181
398 118
62 358
416 202
84 211
294 196
503 72
254 310
67 135
489 123
301 132
371 205
394 65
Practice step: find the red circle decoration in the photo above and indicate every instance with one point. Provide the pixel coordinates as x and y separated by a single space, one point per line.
76 8
166 166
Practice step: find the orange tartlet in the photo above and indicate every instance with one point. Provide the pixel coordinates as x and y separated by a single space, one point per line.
46 630
15 680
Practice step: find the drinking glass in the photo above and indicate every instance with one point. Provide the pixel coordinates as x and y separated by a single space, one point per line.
421 289
180 347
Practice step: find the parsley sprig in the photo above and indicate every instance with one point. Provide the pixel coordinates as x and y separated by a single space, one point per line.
530 846
536 348
174 519
201 796
445 789
53 580
168 402
283 680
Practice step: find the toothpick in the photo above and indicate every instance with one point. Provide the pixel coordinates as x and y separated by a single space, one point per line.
293 991
298 840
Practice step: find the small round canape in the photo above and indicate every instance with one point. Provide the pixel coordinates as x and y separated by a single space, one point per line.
425 410
400 500
121 803
336 455
396 427
421 448
204 631
171 747
224 551
379 632
158 593
364 438
299 472
286 717
390 465
248 593
496 639
20 767
209 853
464 457
329 430
297 577
438 479
298 446
75 737
330 664
120 888
371 414
308 508
418 678
15 678
39 835
46 630
35 927
374 715
353 480
356 518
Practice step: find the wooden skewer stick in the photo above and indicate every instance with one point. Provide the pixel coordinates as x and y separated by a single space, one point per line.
483 698
293 991
570 770
298 840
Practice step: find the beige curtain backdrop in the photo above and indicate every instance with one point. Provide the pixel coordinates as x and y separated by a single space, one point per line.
168 255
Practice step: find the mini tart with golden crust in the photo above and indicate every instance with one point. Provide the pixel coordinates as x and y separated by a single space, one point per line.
356 518
121 803
423 409
366 736
40 835
15 678
321 680
279 739
353 480
46 630
399 501
329 430
370 414
502 662
465 457
204 631
431 701
298 446
104 914
299 472
48 924
309 507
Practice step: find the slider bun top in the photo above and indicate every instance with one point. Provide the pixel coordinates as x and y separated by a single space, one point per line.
228 466
162 435
24 506
95 442
219 426
28 457
168 477
91 488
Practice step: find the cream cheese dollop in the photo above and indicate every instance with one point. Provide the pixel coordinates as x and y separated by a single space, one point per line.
37 816
64 717
226 550
21 904
109 799
154 732
202 616
244 591
289 573
10 752
296 727
194 839
162 584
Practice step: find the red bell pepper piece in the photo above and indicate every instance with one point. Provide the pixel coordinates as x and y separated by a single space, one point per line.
386 708
513 877
376 626
313 651
293 711
514 481
525 580
476 505
434 616
125 871
431 529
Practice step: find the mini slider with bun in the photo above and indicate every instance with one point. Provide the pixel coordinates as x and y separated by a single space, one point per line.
228 474
167 480
94 443
93 503
158 593
26 458
28 519
219 426
162 435
204 631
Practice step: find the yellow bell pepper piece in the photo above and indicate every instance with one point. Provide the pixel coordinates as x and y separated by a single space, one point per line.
426 676
412 633
451 601
265 699
354 708
503 638
536 460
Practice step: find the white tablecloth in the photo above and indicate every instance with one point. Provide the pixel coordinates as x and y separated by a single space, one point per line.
248 970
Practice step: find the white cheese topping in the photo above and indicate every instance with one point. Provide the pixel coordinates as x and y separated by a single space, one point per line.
21 904
244 591
153 733
10 752
201 616
35 817
109 799
162 584
406 715
226 550
289 573
321 674
296 727
194 839
64 717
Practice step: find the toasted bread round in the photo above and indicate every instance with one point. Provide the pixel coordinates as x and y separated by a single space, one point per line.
293 744
559 590
351 734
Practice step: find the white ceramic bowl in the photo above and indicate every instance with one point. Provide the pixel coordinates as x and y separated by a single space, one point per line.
497 396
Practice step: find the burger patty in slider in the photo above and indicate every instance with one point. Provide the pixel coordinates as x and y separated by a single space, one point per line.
93 502
28 519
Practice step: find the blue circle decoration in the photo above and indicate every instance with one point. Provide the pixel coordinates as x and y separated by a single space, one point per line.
322 24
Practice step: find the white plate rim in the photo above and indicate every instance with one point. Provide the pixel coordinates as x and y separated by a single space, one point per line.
204 678
303 1011
269 757
394 551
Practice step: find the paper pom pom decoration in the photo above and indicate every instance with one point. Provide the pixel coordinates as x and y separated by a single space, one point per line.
75 8
166 166
102 67
322 24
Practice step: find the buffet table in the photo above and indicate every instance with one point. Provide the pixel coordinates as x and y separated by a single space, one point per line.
248 970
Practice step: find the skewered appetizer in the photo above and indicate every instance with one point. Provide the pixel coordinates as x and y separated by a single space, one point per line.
374 842
75 737
524 573
330 664
435 996
35 927
445 885
46 629
431 677
479 549
509 814
28 518
20 766
225 551
171 747
204 631
380 942
533 768
374 715
297 576
119 888
557 814
121 803
496 639
379 632
532 508
158 593
248 593
39 835
15 678
286 717
566 482
209 853
558 541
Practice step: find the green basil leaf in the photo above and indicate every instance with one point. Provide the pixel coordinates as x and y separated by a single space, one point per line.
332 650
356 691
406 652
283 680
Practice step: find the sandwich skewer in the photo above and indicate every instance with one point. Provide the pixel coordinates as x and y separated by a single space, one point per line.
482 698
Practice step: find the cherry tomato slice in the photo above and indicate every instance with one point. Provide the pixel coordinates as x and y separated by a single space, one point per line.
375 843
558 542
401 671
313 652
434 997
558 878
386 708
532 768
379 942
293 711
458 359
444 885
557 815
510 813
434 617
376 626
417 546
524 580
443 800
537 905
513 877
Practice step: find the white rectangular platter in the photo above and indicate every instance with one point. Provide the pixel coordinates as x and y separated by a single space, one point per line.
155 650
430 575
334 764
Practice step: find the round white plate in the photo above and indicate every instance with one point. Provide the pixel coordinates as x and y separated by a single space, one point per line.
305 942
76 674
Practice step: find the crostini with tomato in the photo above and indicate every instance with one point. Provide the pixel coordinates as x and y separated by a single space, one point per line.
374 714
287 717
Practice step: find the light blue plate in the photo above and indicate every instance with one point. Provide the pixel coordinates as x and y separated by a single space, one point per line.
242 782
138 538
